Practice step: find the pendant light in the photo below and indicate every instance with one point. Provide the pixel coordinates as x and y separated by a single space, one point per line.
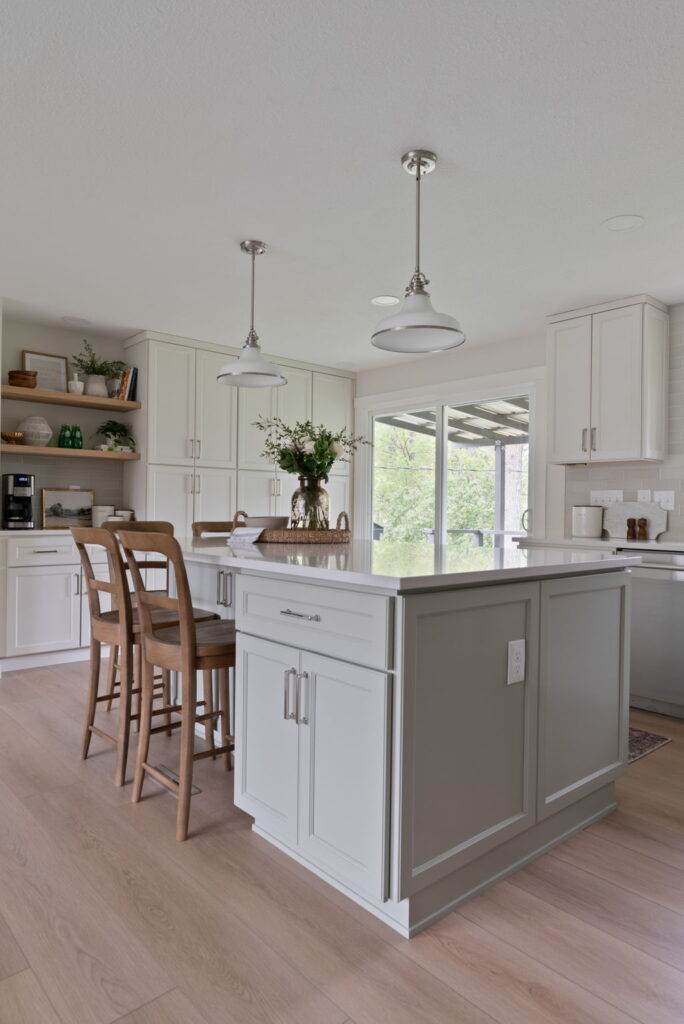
251 370
417 327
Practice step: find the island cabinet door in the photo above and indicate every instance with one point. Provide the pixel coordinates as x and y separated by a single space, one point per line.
343 714
465 737
584 687
267 735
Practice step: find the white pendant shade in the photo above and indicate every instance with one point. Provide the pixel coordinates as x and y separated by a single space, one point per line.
417 327
251 370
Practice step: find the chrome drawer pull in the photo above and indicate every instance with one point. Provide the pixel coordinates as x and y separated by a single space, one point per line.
45 551
300 615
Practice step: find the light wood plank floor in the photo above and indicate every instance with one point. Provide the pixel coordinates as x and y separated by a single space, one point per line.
104 917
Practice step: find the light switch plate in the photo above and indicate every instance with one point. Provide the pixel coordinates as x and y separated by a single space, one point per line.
665 499
606 497
643 495
516 662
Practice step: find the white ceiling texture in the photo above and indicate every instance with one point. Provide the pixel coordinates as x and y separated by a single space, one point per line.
142 139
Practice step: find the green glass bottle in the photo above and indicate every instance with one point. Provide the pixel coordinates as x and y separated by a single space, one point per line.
67 441
60 441
77 437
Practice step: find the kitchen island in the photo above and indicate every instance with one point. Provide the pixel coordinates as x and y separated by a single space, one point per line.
414 723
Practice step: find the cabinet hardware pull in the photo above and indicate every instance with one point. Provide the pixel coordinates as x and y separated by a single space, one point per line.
198 478
199 448
227 581
77 578
300 615
287 714
584 439
219 574
593 439
300 718
45 551
191 446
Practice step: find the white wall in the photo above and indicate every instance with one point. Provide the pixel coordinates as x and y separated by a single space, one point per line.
105 479
468 361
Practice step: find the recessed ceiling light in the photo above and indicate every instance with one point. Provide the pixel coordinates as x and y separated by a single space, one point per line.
624 222
385 300
76 321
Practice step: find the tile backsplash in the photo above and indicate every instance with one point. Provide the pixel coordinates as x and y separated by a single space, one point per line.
632 477
105 478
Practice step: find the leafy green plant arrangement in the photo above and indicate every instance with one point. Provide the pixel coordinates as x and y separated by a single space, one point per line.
304 449
116 435
88 363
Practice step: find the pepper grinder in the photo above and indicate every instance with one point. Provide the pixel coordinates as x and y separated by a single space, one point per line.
631 529
643 529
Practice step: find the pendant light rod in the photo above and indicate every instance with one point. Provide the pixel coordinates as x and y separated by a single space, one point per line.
253 249
418 177
418 162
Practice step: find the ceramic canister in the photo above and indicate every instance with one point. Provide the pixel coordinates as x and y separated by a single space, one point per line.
100 513
587 520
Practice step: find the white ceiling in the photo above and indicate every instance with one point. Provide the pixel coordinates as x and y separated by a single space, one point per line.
142 139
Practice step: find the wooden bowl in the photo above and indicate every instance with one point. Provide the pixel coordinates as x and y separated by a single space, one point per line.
23 378
12 436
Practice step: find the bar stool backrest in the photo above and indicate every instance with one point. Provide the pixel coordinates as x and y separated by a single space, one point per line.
134 542
151 526
212 527
116 585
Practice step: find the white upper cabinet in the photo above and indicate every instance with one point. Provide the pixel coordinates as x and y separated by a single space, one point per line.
215 413
608 383
171 398
214 497
333 406
294 398
253 403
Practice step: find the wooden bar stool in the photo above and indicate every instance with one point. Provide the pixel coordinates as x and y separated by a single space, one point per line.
212 526
187 648
120 628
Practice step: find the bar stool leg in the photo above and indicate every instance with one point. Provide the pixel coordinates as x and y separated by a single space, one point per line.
224 704
187 749
124 732
111 673
147 697
166 698
137 676
93 684
208 697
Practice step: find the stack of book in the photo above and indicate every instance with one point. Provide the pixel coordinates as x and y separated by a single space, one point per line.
128 385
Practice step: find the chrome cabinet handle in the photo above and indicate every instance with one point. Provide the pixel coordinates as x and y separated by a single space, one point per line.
191 446
45 551
198 442
300 718
300 615
77 578
584 439
219 574
227 583
198 479
593 439
287 714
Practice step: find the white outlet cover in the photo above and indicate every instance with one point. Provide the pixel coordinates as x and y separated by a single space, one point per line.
606 497
516 662
643 495
665 499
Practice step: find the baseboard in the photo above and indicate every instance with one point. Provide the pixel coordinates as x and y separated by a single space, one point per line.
658 707
48 658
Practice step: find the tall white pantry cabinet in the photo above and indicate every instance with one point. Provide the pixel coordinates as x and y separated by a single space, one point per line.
201 454
608 376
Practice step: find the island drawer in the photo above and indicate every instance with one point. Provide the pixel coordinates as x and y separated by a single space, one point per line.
37 550
346 624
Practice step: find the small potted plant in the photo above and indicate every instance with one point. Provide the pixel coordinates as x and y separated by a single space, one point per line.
97 371
310 453
117 437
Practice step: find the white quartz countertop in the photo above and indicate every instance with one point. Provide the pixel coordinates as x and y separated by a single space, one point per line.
401 567
597 544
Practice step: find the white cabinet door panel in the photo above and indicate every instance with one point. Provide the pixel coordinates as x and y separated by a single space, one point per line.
344 768
333 407
616 384
171 400
569 359
267 742
215 494
339 492
215 413
253 403
255 493
294 398
43 609
170 498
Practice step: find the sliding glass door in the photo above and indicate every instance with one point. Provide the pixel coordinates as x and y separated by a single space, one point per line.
458 474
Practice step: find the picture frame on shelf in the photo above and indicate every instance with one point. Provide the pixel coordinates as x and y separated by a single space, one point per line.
52 370
65 507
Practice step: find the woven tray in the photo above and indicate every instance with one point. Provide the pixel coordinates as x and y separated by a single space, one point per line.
337 536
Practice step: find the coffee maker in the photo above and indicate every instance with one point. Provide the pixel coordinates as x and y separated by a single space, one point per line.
17 501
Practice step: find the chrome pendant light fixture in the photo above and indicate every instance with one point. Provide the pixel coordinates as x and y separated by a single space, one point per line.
417 327
251 370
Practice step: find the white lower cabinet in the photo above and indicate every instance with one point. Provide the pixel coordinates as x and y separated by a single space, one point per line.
211 587
183 495
313 758
43 609
214 497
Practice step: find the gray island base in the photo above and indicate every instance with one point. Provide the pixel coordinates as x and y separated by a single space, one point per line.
413 724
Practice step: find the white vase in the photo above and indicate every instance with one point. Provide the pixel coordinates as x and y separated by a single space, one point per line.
96 386
37 431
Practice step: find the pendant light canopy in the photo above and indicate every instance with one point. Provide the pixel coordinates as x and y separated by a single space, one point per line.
417 327
251 370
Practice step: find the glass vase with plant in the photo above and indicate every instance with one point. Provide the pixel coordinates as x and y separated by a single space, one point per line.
309 452
96 371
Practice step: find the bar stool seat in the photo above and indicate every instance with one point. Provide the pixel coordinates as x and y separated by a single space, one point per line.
213 639
160 617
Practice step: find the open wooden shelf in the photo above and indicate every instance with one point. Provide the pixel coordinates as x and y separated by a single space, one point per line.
9 391
68 453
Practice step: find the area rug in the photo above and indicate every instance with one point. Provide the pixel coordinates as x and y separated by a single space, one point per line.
642 743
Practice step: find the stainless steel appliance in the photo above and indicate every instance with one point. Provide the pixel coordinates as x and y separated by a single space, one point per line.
17 501
657 635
